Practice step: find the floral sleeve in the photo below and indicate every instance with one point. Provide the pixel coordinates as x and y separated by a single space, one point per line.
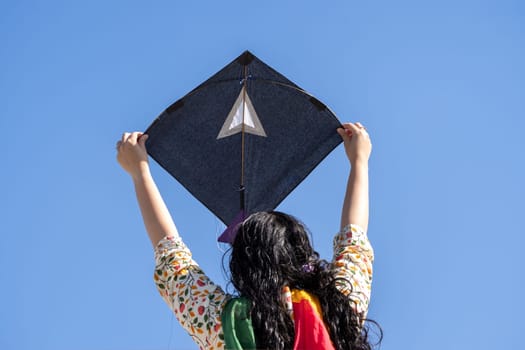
196 301
352 262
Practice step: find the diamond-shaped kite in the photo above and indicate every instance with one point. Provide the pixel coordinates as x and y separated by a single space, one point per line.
243 140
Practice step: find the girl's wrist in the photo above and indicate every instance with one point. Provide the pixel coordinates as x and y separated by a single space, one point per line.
360 162
141 172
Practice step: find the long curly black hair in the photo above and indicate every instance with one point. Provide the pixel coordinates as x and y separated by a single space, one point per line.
268 253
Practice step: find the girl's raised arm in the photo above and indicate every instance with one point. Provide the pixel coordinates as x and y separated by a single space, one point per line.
358 148
133 158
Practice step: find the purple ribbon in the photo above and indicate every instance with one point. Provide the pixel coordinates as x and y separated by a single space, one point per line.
231 231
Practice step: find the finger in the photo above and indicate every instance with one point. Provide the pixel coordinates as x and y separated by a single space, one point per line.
360 129
344 133
359 125
142 139
125 136
351 126
364 130
133 138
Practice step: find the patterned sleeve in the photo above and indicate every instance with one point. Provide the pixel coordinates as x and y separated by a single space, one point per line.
196 301
352 262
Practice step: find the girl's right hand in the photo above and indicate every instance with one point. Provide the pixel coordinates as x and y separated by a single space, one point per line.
358 145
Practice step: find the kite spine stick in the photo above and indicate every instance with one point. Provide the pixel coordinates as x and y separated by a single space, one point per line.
241 187
241 194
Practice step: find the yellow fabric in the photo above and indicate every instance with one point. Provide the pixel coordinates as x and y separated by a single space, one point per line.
299 295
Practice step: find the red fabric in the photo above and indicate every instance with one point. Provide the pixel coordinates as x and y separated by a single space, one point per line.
310 331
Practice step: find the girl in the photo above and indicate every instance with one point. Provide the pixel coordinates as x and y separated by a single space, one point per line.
288 298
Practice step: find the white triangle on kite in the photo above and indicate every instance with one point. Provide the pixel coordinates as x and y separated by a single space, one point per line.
242 110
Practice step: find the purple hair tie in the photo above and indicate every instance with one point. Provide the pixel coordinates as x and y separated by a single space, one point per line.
308 268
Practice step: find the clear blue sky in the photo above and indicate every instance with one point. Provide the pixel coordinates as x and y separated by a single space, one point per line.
439 84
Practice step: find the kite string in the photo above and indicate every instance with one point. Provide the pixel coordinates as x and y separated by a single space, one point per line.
171 330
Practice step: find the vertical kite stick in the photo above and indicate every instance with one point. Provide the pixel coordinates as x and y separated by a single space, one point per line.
241 188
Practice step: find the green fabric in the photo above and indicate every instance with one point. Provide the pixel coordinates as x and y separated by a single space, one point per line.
237 325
